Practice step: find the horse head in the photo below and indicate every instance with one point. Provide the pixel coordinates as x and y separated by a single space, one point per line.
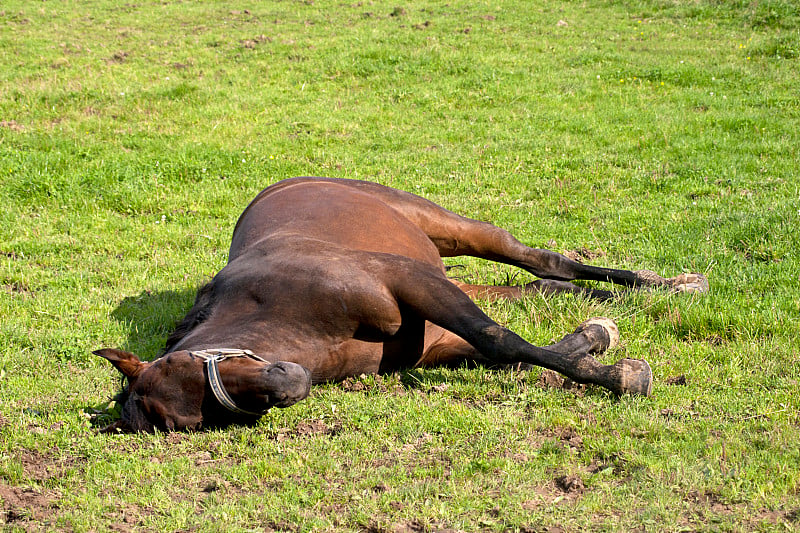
211 388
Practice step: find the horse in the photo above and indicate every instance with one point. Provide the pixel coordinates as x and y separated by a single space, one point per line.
332 278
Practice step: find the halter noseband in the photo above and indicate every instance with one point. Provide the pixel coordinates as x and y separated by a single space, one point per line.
212 358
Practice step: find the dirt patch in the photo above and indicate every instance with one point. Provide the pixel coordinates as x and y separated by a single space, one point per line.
677 380
788 519
126 518
213 485
710 501
615 464
40 466
570 439
702 502
13 125
563 489
310 428
563 438
570 485
24 506
583 254
553 380
410 526
275 527
255 41
715 340
318 427
354 384
17 289
378 383
175 437
118 57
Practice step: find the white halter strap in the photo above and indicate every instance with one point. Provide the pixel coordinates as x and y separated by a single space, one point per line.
214 356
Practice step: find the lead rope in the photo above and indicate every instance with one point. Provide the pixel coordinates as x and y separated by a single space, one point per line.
212 358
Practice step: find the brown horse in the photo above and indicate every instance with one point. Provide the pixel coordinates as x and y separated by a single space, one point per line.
331 278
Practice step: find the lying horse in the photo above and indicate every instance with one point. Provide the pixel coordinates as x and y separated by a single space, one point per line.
331 278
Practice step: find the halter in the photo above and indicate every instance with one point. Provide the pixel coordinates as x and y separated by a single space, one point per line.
212 358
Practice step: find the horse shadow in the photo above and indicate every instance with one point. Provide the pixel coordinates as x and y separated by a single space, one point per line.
150 317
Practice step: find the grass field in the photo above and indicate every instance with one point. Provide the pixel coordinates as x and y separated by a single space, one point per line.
658 134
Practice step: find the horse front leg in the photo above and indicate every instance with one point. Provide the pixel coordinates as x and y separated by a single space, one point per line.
428 293
445 348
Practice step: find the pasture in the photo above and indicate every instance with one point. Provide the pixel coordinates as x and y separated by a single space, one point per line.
658 134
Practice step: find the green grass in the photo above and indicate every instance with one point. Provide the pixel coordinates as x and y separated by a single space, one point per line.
657 134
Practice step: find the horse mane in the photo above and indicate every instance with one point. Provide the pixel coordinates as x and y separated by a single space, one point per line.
198 314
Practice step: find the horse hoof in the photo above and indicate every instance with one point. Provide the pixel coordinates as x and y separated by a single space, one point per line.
635 376
608 325
690 283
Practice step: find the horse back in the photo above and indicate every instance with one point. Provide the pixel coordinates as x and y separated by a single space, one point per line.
336 212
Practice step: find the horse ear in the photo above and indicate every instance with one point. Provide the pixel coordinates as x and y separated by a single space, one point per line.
125 362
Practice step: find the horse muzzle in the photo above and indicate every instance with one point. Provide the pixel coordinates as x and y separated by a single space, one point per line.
286 383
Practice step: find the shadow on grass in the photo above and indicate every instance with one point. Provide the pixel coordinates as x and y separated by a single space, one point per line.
150 317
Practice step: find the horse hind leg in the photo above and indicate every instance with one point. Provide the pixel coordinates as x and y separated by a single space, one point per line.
456 235
483 240
491 293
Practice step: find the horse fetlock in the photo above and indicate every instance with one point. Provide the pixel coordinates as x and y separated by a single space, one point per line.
648 278
632 376
691 282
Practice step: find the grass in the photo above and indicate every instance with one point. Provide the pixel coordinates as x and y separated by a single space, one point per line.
651 134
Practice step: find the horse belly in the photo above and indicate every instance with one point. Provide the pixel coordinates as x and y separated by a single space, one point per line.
355 357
